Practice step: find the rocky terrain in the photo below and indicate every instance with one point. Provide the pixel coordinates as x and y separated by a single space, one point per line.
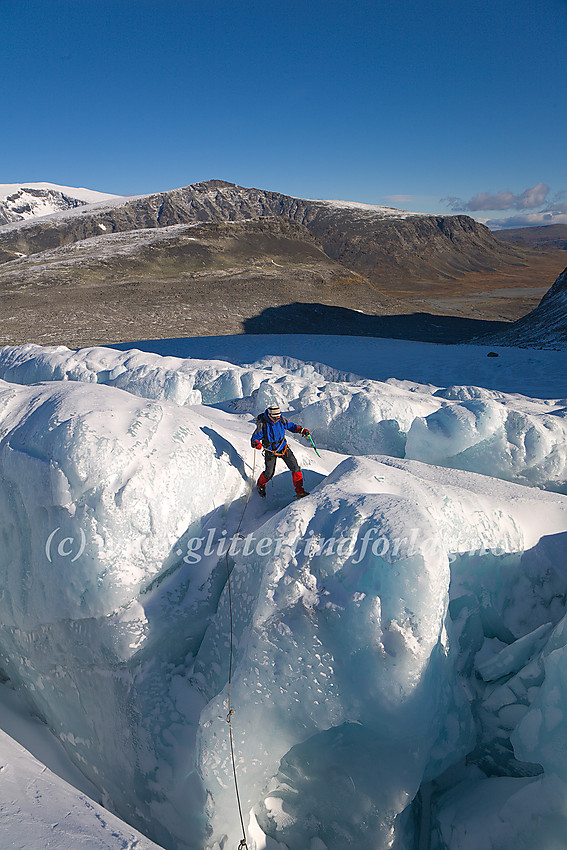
379 242
181 280
218 258
544 327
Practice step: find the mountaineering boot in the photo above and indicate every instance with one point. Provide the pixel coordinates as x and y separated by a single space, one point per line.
261 485
298 484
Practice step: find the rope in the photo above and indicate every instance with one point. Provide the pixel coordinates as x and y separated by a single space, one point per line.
248 496
243 842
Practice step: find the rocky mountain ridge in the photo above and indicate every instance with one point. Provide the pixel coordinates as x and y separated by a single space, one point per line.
377 242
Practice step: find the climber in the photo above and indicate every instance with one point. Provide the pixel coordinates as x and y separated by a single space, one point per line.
270 435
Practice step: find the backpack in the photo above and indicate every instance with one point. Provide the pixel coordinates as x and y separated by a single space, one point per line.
261 421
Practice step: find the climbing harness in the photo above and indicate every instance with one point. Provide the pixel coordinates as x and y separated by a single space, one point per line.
266 445
277 454
243 842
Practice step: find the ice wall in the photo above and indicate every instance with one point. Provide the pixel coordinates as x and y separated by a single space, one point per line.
97 488
146 375
348 681
38 809
493 438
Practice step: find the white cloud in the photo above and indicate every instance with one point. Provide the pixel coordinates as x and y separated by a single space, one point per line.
529 199
552 210
486 201
532 198
527 220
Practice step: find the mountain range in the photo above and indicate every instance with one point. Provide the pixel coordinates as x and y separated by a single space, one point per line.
547 235
379 242
217 258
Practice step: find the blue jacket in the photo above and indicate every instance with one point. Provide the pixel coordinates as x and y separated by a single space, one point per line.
272 434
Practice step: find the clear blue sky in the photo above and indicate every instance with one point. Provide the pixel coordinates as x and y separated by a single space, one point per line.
402 102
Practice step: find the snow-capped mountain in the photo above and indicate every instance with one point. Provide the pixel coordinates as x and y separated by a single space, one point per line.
20 201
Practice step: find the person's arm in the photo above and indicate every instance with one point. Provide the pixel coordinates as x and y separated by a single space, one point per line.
296 429
256 439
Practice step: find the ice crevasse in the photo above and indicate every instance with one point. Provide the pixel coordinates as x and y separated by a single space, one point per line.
398 635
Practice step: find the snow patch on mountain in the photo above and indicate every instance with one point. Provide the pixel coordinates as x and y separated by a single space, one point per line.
372 209
22 201
88 196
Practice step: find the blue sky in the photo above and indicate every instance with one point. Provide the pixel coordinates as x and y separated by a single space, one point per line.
429 105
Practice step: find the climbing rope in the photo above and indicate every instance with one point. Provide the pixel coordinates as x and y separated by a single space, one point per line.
243 842
249 493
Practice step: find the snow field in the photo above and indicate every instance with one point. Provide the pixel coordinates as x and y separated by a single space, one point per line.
404 617
87 195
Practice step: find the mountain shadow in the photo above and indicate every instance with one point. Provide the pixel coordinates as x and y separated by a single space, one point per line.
302 318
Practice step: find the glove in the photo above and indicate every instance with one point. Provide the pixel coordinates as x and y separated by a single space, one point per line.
304 432
257 445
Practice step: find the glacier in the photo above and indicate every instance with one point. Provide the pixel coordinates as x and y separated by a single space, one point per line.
38 809
398 636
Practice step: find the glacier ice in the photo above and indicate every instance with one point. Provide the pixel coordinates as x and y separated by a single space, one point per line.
97 489
398 636
500 813
466 427
353 415
491 438
38 809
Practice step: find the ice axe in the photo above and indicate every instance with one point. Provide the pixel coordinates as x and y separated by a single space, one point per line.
309 437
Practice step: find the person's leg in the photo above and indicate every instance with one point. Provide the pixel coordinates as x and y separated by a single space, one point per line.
296 473
268 472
